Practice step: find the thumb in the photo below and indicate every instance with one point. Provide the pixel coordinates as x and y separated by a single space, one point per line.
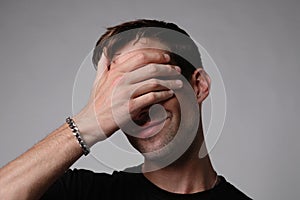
102 67
103 64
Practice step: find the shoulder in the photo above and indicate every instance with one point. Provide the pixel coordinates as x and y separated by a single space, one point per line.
89 177
75 176
226 190
92 179
84 184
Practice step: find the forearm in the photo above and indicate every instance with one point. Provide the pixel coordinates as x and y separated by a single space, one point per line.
29 176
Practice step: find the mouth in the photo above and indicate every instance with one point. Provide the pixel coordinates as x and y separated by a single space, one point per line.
143 118
148 127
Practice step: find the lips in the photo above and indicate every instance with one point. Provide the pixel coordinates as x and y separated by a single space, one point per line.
143 118
148 127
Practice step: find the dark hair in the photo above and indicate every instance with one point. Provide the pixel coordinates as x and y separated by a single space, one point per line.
184 51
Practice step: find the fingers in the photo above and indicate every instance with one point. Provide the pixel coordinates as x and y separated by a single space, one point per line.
136 59
153 91
151 71
150 99
102 64
102 67
139 69
154 85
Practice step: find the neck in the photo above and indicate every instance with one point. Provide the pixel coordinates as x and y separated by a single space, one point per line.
189 174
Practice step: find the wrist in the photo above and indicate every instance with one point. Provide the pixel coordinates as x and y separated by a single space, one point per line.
89 130
81 141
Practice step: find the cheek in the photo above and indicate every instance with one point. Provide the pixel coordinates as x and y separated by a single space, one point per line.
172 106
186 109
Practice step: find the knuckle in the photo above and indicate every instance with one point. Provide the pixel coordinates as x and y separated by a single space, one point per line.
141 57
125 78
159 55
113 70
152 96
114 73
170 68
153 68
131 106
154 83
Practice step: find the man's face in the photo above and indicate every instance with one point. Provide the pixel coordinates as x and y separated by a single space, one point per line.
157 134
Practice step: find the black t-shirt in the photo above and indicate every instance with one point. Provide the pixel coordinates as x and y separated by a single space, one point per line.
84 184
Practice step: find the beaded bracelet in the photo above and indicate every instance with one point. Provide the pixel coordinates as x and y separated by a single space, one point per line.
76 133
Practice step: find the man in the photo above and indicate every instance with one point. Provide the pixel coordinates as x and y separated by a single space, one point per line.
142 67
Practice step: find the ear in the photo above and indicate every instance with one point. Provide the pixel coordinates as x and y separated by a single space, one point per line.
200 82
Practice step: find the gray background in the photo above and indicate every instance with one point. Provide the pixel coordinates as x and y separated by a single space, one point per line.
255 44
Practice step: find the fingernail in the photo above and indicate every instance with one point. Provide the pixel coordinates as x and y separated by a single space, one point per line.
179 83
178 69
166 56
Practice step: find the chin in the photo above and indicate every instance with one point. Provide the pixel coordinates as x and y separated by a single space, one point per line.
169 144
162 149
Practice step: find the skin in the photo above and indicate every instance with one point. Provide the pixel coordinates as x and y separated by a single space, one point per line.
164 131
180 176
46 161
